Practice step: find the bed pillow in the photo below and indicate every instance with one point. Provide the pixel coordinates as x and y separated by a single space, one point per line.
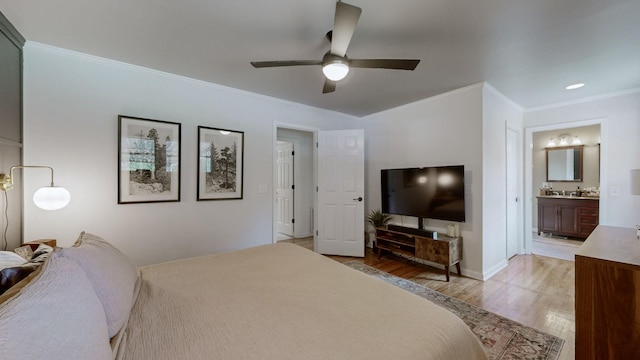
10 259
112 275
57 316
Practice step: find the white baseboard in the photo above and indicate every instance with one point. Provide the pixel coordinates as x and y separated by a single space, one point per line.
494 270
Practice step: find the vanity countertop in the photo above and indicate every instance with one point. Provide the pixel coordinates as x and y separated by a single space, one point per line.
569 197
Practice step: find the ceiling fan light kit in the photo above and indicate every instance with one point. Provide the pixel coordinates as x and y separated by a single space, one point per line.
335 64
335 70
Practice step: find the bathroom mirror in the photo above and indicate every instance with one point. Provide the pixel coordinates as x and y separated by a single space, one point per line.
565 163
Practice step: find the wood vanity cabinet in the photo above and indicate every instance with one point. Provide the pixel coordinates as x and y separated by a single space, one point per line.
574 217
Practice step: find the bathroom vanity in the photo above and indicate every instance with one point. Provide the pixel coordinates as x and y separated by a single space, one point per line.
571 216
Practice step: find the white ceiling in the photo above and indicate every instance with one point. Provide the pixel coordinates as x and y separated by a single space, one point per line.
527 49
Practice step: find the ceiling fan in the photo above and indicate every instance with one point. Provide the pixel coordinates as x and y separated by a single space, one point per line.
335 63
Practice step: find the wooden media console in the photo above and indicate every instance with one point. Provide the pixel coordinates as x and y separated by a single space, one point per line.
444 250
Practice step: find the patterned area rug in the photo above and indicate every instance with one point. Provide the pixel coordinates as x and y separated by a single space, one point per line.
502 338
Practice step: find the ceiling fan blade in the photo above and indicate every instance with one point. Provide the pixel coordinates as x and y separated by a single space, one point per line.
398 64
262 64
329 86
344 23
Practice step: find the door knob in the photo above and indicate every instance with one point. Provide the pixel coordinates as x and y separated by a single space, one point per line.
358 199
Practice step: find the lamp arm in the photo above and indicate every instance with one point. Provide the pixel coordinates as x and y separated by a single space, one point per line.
6 182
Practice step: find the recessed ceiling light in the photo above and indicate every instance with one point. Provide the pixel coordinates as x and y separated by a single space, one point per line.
574 86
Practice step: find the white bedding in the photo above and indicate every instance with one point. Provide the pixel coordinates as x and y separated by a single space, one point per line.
284 302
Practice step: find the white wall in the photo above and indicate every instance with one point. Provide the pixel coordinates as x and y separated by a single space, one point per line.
71 106
619 150
498 113
442 130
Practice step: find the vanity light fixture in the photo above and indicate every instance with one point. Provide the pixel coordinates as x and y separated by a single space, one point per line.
564 141
47 198
576 141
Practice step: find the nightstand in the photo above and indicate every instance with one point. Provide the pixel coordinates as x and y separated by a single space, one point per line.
34 244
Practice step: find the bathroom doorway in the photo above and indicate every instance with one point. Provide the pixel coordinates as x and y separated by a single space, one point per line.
589 134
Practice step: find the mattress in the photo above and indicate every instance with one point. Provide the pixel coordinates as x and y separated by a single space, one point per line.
284 302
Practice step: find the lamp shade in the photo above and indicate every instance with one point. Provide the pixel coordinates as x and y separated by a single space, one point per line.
51 197
335 71
635 182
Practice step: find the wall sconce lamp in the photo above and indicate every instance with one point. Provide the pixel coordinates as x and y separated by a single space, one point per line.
47 198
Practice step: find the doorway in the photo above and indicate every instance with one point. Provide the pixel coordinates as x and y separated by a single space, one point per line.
294 184
592 135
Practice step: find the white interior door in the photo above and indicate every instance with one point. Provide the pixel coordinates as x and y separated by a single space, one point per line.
284 188
513 233
340 229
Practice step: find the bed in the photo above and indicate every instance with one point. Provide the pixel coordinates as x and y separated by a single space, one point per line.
269 302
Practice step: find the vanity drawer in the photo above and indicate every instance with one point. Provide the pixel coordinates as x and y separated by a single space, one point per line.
588 220
588 211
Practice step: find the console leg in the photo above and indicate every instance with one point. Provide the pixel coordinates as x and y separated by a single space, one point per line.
458 268
446 271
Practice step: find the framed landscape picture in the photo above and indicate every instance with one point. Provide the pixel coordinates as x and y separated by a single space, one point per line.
220 163
148 160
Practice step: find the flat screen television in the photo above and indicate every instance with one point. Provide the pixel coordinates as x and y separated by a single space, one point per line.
428 192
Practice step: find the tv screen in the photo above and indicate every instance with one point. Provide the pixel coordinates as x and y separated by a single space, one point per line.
429 192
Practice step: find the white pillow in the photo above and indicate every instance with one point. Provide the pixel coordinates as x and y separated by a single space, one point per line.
56 316
10 259
112 275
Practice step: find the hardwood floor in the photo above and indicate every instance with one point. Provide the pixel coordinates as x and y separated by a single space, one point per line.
534 290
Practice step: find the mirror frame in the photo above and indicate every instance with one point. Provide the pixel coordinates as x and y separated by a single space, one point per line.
579 147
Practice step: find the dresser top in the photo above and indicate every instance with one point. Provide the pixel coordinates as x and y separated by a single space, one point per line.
610 243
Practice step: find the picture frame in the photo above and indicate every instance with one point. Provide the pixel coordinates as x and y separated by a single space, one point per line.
220 164
149 160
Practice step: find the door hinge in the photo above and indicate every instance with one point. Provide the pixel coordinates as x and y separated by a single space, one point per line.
316 144
293 221
316 232
293 153
316 189
293 187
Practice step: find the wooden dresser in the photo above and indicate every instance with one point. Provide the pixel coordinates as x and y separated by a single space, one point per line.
608 295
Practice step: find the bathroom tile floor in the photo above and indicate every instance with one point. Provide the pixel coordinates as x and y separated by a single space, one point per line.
555 247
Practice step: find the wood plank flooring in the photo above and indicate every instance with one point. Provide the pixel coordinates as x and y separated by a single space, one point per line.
534 290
